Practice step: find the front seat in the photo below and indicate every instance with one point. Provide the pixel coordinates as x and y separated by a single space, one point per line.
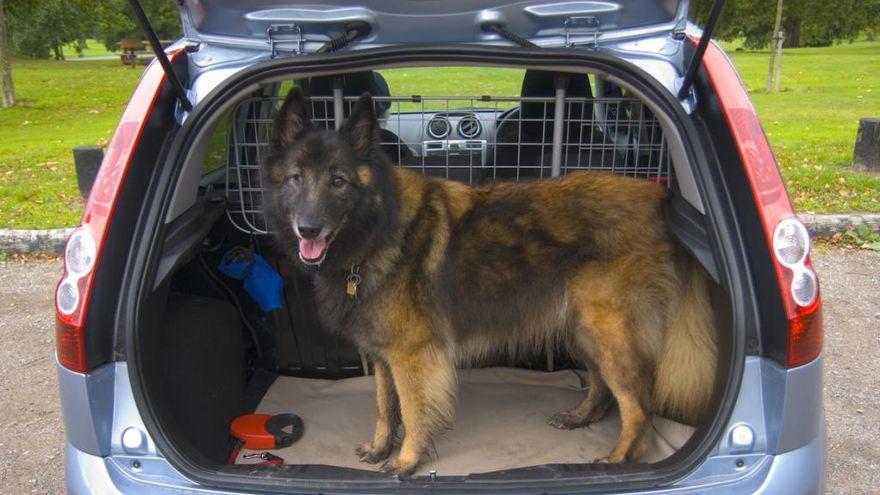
524 138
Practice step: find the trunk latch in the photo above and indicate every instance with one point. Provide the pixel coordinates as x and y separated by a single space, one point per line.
582 25
282 35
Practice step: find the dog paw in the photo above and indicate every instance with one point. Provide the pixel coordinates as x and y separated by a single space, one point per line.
399 468
371 455
566 421
610 459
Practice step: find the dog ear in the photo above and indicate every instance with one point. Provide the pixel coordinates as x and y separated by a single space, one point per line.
292 120
362 125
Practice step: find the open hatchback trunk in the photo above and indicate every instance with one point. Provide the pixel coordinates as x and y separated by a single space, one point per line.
598 91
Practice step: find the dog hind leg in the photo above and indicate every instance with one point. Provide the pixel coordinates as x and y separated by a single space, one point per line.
591 409
625 374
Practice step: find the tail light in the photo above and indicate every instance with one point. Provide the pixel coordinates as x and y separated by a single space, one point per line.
787 236
83 249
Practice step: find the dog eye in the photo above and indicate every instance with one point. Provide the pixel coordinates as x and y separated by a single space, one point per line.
337 181
295 179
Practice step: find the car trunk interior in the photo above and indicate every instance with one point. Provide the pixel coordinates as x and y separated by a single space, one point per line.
207 352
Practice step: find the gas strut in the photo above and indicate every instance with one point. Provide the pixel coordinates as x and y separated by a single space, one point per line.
353 31
150 33
691 73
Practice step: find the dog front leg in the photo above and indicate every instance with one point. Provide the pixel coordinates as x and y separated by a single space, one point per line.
425 382
387 417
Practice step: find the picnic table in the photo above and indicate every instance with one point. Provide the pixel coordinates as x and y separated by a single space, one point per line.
133 48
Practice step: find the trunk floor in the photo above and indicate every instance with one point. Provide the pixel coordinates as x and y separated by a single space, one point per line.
501 422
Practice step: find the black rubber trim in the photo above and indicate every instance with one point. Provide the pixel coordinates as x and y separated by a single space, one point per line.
589 478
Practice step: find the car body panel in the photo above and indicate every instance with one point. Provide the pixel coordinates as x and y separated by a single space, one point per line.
770 399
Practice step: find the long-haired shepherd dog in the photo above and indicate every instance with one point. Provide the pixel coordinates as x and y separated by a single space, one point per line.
425 275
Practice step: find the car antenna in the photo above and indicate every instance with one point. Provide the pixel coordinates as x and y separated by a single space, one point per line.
691 73
150 33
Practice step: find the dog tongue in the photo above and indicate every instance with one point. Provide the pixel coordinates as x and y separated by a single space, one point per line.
312 249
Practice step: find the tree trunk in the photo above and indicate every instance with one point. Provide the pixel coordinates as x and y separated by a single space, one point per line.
775 48
6 87
792 28
866 154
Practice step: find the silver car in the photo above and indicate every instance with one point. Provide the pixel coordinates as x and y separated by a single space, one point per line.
161 345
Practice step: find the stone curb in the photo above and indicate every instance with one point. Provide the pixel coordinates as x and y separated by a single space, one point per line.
20 241
51 241
828 225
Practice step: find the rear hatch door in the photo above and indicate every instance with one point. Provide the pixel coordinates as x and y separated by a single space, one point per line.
303 26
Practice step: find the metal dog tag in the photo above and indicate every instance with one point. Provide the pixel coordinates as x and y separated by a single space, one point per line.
351 286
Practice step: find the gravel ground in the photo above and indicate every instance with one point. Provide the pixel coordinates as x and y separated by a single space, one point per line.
32 434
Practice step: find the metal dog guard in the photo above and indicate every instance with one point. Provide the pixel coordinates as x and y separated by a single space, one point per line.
553 136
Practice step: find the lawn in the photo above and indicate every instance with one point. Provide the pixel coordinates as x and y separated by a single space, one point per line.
94 48
811 124
61 105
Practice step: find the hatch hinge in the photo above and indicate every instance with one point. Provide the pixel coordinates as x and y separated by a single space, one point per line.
680 29
282 36
582 25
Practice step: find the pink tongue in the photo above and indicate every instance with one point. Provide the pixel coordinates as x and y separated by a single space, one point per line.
312 249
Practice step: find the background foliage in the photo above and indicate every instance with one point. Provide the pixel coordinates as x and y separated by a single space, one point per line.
43 28
807 23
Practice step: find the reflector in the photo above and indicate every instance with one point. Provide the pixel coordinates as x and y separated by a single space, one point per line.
791 242
804 288
79 257
66 297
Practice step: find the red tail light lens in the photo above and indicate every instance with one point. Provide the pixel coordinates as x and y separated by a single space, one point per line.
786 235
84 246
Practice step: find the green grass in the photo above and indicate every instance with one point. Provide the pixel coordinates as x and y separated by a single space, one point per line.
61 105
94 48
811 124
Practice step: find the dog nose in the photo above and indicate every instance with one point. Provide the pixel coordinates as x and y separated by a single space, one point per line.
307 232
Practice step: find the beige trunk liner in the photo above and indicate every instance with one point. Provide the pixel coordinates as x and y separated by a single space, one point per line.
501 422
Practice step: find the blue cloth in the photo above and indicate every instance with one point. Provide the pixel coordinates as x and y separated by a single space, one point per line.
261 282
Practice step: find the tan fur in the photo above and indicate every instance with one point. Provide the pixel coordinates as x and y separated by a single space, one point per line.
686 370
649 359
364 175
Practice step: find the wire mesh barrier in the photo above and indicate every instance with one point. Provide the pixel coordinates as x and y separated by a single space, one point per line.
473 139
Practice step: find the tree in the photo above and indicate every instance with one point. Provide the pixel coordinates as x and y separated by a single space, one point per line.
775 51
116 21
6 87
804 22
40 28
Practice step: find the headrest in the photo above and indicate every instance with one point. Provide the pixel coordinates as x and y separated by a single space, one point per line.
540 83
354 84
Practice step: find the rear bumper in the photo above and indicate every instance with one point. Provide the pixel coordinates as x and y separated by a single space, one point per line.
800 471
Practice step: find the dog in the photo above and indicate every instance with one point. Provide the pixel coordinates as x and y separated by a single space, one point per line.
425 275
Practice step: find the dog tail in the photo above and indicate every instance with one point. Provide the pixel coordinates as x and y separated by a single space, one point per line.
689 356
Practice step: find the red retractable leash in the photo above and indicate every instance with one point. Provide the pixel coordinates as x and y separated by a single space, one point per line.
265 432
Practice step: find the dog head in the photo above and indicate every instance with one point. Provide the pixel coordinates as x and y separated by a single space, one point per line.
322 183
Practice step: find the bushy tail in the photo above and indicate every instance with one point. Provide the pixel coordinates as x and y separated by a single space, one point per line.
689 356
